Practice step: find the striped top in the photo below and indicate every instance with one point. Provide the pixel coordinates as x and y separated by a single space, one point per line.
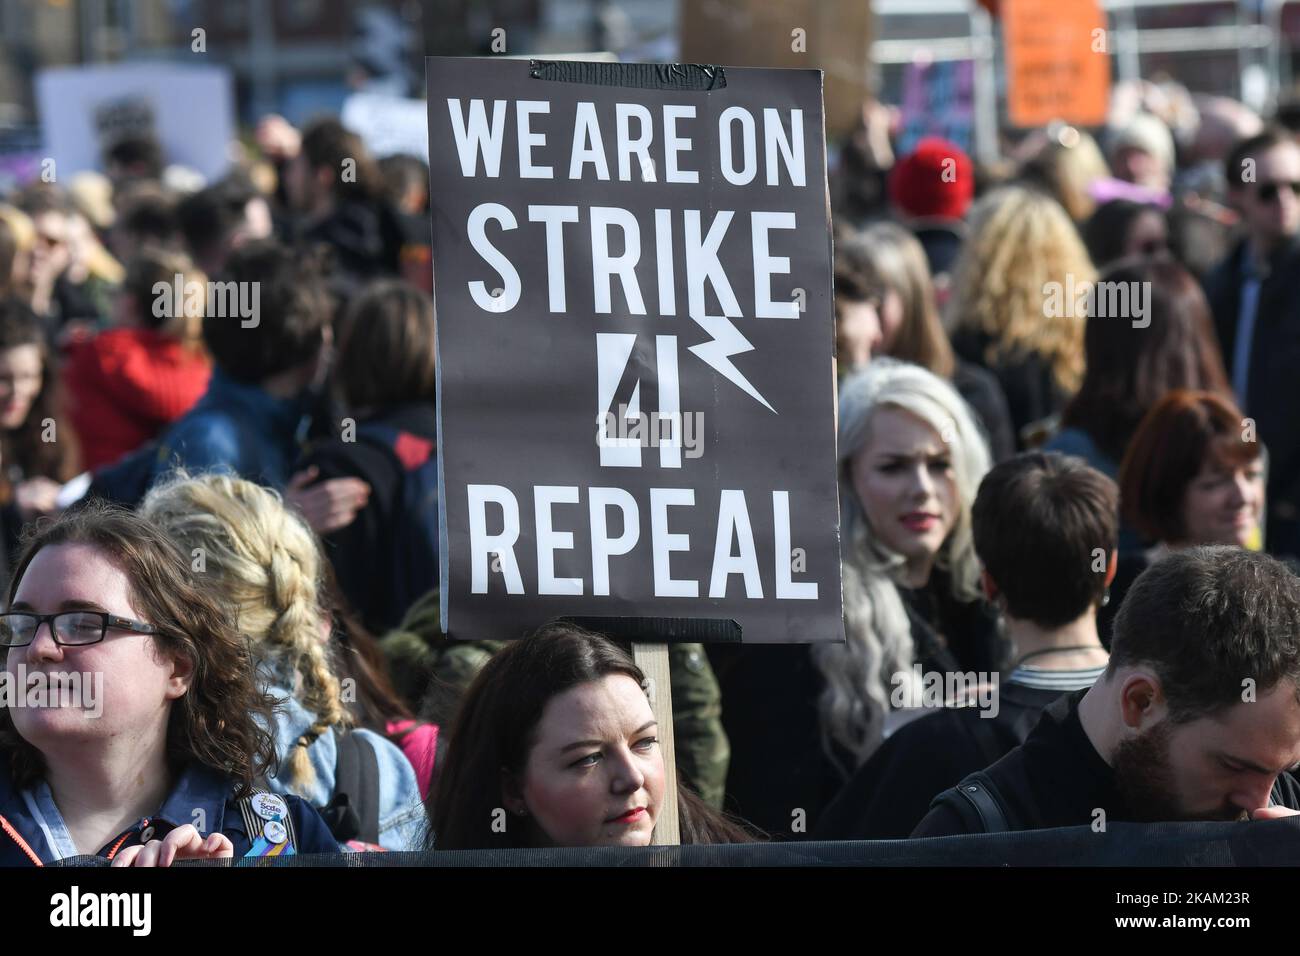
1064 681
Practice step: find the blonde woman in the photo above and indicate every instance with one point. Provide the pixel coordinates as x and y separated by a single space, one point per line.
883 269
1068 165
266 563
1019 301
911 458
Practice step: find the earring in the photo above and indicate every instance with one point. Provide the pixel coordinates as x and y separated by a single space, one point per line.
1105 597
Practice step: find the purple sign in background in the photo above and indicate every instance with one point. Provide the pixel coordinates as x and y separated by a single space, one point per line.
938 100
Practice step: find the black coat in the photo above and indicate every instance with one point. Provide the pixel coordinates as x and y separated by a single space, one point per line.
1056 778
1272 398
890 793
1027 381
770 709
982 392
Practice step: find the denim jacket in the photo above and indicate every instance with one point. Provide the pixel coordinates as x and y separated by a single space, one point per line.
401 812
238 427
202 797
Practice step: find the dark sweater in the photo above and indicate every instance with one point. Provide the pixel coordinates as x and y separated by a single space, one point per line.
771 715
1026 379
1056 778
890 794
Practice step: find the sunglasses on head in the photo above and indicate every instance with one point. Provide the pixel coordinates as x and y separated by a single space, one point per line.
1268 192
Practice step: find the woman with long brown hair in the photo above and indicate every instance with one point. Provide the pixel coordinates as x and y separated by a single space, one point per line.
555 744
1148 332
38 446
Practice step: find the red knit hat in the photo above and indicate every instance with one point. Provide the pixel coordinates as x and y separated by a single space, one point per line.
935 181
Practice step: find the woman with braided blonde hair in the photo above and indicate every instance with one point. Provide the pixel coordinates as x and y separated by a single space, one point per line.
266 563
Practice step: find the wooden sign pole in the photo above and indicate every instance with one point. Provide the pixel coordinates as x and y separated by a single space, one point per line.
653 661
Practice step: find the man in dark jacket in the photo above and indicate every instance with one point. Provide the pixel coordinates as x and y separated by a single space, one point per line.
1196 718
1256 304
1045 529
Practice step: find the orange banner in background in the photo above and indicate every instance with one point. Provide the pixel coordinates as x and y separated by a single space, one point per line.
1058 61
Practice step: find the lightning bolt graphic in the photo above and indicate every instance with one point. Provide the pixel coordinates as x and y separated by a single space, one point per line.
726 341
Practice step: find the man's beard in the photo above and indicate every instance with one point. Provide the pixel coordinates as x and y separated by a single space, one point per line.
1146 779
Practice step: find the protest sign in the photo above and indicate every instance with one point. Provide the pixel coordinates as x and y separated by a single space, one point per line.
938 100
388 125
1057 64
188 109
635 334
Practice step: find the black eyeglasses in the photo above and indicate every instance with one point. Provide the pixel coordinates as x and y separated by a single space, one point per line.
69 628
1268 192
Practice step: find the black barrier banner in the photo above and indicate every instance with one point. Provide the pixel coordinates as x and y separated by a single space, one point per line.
633 284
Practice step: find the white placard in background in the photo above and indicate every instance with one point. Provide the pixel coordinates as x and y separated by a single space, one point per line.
189 109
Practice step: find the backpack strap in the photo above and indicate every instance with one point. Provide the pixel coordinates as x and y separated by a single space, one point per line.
353 813
976 801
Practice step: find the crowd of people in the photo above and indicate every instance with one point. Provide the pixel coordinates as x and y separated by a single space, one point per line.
1068 467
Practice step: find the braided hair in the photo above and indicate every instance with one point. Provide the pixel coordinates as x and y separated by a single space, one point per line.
267 564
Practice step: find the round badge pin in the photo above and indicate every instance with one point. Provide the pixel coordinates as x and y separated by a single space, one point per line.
268 806
275 832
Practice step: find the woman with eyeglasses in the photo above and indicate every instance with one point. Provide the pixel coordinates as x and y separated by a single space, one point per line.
144 745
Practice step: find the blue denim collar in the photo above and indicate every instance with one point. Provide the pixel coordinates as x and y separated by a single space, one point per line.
199 797
225 393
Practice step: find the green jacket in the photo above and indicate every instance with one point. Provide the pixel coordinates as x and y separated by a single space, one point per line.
431 673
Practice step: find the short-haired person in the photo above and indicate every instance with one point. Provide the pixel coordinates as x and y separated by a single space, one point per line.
910 460
1197 716
557 730
269 340
166 769
264 560
1045 530
1194 474
1256 305
219 219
